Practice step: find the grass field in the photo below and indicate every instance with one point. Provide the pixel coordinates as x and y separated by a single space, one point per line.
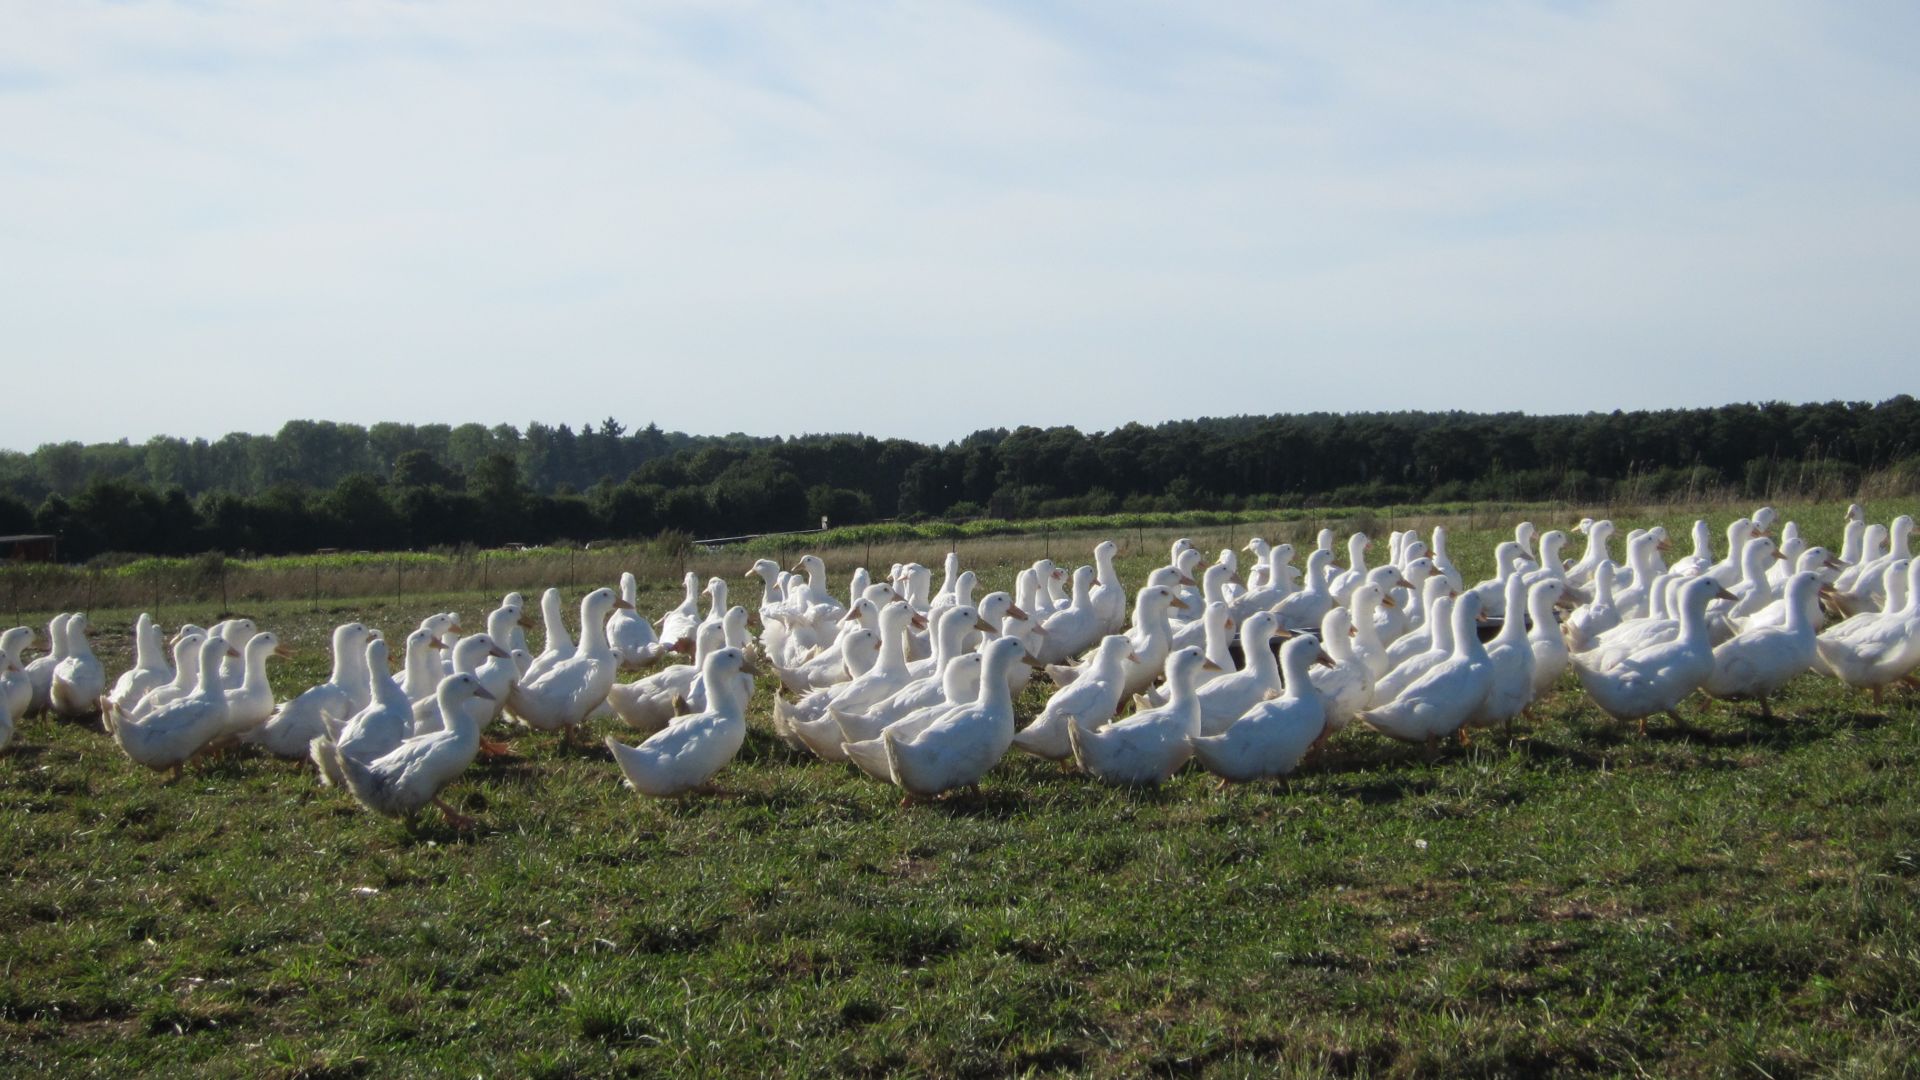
1572 898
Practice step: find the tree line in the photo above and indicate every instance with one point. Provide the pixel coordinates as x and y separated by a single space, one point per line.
316 484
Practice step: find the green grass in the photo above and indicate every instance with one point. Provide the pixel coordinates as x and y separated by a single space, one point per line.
1743 899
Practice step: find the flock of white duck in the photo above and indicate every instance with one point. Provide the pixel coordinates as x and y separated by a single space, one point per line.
915 686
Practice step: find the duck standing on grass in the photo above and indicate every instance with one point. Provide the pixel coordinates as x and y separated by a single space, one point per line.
684 756
405 779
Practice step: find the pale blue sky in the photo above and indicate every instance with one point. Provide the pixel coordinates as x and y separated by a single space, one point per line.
921 220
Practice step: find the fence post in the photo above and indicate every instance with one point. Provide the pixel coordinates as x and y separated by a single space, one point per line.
572 555
399 568
484 587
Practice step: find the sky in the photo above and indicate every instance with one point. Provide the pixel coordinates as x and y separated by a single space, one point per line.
921 220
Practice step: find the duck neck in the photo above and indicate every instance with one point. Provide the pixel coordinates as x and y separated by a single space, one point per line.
593 630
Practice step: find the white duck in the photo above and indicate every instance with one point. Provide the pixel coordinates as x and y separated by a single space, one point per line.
292 728
928 685
1758 663
1092 699
648 705
560 698
251 703
1657 678
79 682
629 633
1439 703
1305 608
811 720
1596 616
40 670
1413 668
1511 655
960 747
1270 738
1151 745
16 689
166 738
557 643
1075 628
374 731
186 674
407 778
1872 650
150 667
1599 539
1346 686
684 756
469 654
679 623
1550 653
1227 697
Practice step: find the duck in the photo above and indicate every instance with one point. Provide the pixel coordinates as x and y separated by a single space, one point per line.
684 757
150 667
629 633
1658 677
165 739
556 642
291 729
1091 699
1304 609
1419 635
1226 698
1510 654
1269 740
16 689
1409 671
959 689
1871 650
1728 570
1758 663
1596 616
1551 656
374 731
421 669
1701 560
1346 686
251 703
811 719
1439 703
186 674
961 746
470 653
40 670
650 704
1599 540
927 686
1344 583
236 632
79 682
679 623
1853 534
1362 604
1443 562
403 781
1075 628
822 610
1271 582
1152 744
1635 600
1866 591
561 697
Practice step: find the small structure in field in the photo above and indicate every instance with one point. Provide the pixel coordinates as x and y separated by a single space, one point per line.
29 547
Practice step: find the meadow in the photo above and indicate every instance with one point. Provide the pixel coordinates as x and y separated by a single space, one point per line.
1739 897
